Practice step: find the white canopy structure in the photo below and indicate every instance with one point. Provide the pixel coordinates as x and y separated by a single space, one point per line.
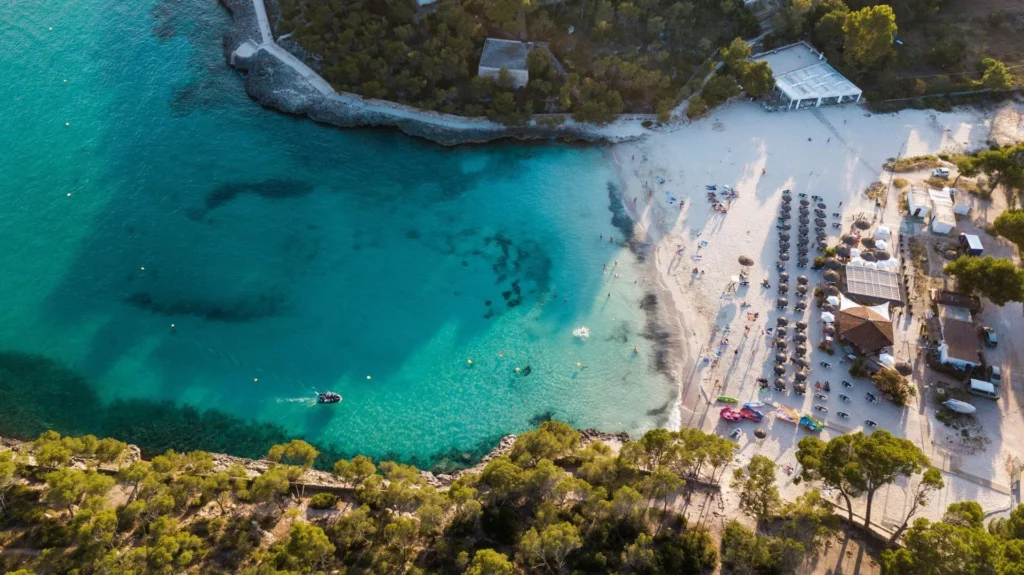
827 317
833 300
882 233
886 359
880 244
919 203
804 79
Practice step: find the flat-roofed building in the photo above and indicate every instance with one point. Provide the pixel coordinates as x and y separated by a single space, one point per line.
803 78
508 55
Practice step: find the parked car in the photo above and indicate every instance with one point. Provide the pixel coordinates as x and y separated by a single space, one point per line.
996 376
990 336
940 173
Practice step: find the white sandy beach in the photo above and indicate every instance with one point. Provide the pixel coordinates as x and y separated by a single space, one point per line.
834 153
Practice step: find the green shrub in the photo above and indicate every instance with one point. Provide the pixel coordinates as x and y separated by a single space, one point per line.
323 501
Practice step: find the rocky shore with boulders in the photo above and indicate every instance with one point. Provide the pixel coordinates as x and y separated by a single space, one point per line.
272 79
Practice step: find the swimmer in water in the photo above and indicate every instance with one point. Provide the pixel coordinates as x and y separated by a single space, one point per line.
501 354
635 350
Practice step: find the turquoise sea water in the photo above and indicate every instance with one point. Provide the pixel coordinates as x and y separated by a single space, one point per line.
140 187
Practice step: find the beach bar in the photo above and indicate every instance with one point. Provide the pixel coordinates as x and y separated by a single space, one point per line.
803 79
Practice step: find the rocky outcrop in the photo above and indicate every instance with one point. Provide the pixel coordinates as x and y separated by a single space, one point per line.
275 83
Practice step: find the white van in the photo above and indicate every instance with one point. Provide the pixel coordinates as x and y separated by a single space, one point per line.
982 389
941 173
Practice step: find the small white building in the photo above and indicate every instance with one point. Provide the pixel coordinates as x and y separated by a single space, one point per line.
961 201
919 203
803 78
508 55
943 217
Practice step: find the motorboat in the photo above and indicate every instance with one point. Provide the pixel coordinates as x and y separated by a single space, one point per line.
581 332
328 397
959 406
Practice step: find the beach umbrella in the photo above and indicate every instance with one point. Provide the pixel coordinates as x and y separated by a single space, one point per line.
802 242
904 368
801 289
862 224
783 287
803 229
827 306
804 220
745 261
784 256
831 263
786 199
820 223
882 255
804 211
831 276
827 317
801 375
786 226
868 256
802 260
821 234
802 280
822 245
779 382
800 306
781 331
843 251
783 245
780 358
801 325
802 250
781 320
834 300
783 236
784 209
820 213
800 337
783 302
829 330
783 276
821 205
800 361
867 242
759 433
804 202
850 239
801 349
779 369
780 343
831 290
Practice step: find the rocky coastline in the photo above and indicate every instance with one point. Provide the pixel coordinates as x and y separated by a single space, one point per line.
316 480
273 80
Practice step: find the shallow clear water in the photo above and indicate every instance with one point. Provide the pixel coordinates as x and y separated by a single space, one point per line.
290 257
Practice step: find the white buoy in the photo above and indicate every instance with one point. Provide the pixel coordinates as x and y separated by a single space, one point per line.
67 123
143 268
368 378
69 194
255 380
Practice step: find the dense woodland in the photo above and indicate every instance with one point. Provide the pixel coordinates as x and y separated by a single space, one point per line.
621 56
550 505
645 56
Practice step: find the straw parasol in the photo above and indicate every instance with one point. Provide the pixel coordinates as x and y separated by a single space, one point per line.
831 276
801 289
783 302
904 368
784 276
802 260
781 320
868 256
779 382
784 256
801 349
820 223
804 211
780 358
760 433
850 239
783 236
801 375
821 244
786 226
779 369
827 306
801 325
802 250
802 280
803 229
831 290
780 343
800 361
804 202
832 263
862 224
804 220
783 287
745 261
783 245
882 255
843 251
821 205
781 331
800 337
829 330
